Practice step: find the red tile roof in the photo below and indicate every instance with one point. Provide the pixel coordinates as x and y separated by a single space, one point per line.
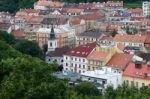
18 33
83 50
30 10
110 38
119 60
98 55
112 3
130 38
147 41
50 3
89 17
136 11
75 21
135 72
34 19
74 10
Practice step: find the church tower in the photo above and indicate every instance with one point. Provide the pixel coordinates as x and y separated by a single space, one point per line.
52 41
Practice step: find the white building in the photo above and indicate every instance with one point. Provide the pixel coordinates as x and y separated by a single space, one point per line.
75 60
146 8
103 77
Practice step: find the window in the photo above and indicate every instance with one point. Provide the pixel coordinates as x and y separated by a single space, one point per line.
83 60
75 65
136 84
66 68
79 66
127 82
79 71
66 64
88 67
71 64
75 59
66 58
132 83
143 84
49 60
83 66
51 44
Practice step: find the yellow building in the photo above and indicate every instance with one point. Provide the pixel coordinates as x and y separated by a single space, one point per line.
100 56
97 59
137 74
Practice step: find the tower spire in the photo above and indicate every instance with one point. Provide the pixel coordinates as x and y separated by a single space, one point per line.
52 33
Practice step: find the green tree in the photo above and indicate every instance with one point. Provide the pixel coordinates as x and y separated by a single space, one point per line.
87 89
29 47
8 38
114 33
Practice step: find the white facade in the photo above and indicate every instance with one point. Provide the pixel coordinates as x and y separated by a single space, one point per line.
52 45
146 8
75 64
104 77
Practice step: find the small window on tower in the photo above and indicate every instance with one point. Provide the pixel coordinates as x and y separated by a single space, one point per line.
50 44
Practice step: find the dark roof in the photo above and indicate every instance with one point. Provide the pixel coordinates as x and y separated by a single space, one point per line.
59 52
52 35
54 21
92 33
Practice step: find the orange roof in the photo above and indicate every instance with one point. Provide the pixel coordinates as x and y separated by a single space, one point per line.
30 10
50 3
130 38
75 21
142 72
34 19
147 41
98 55
74 10
18 33
120 60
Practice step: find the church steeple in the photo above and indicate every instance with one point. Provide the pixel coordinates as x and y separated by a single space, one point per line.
52 35
52 41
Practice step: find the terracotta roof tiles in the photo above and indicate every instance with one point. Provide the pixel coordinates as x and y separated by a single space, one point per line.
119 60
142 72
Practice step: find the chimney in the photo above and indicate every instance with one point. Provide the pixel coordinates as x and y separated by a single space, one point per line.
138 65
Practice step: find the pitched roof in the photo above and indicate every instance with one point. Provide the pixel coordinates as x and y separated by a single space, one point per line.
147 41
94 16
75 21
82 51
142 72
113 3
119 60
130 38
59 52
4 26
18 33
137 10
33 19
55 21
91 33
98 55
75 10
49 3
107 38
30 10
